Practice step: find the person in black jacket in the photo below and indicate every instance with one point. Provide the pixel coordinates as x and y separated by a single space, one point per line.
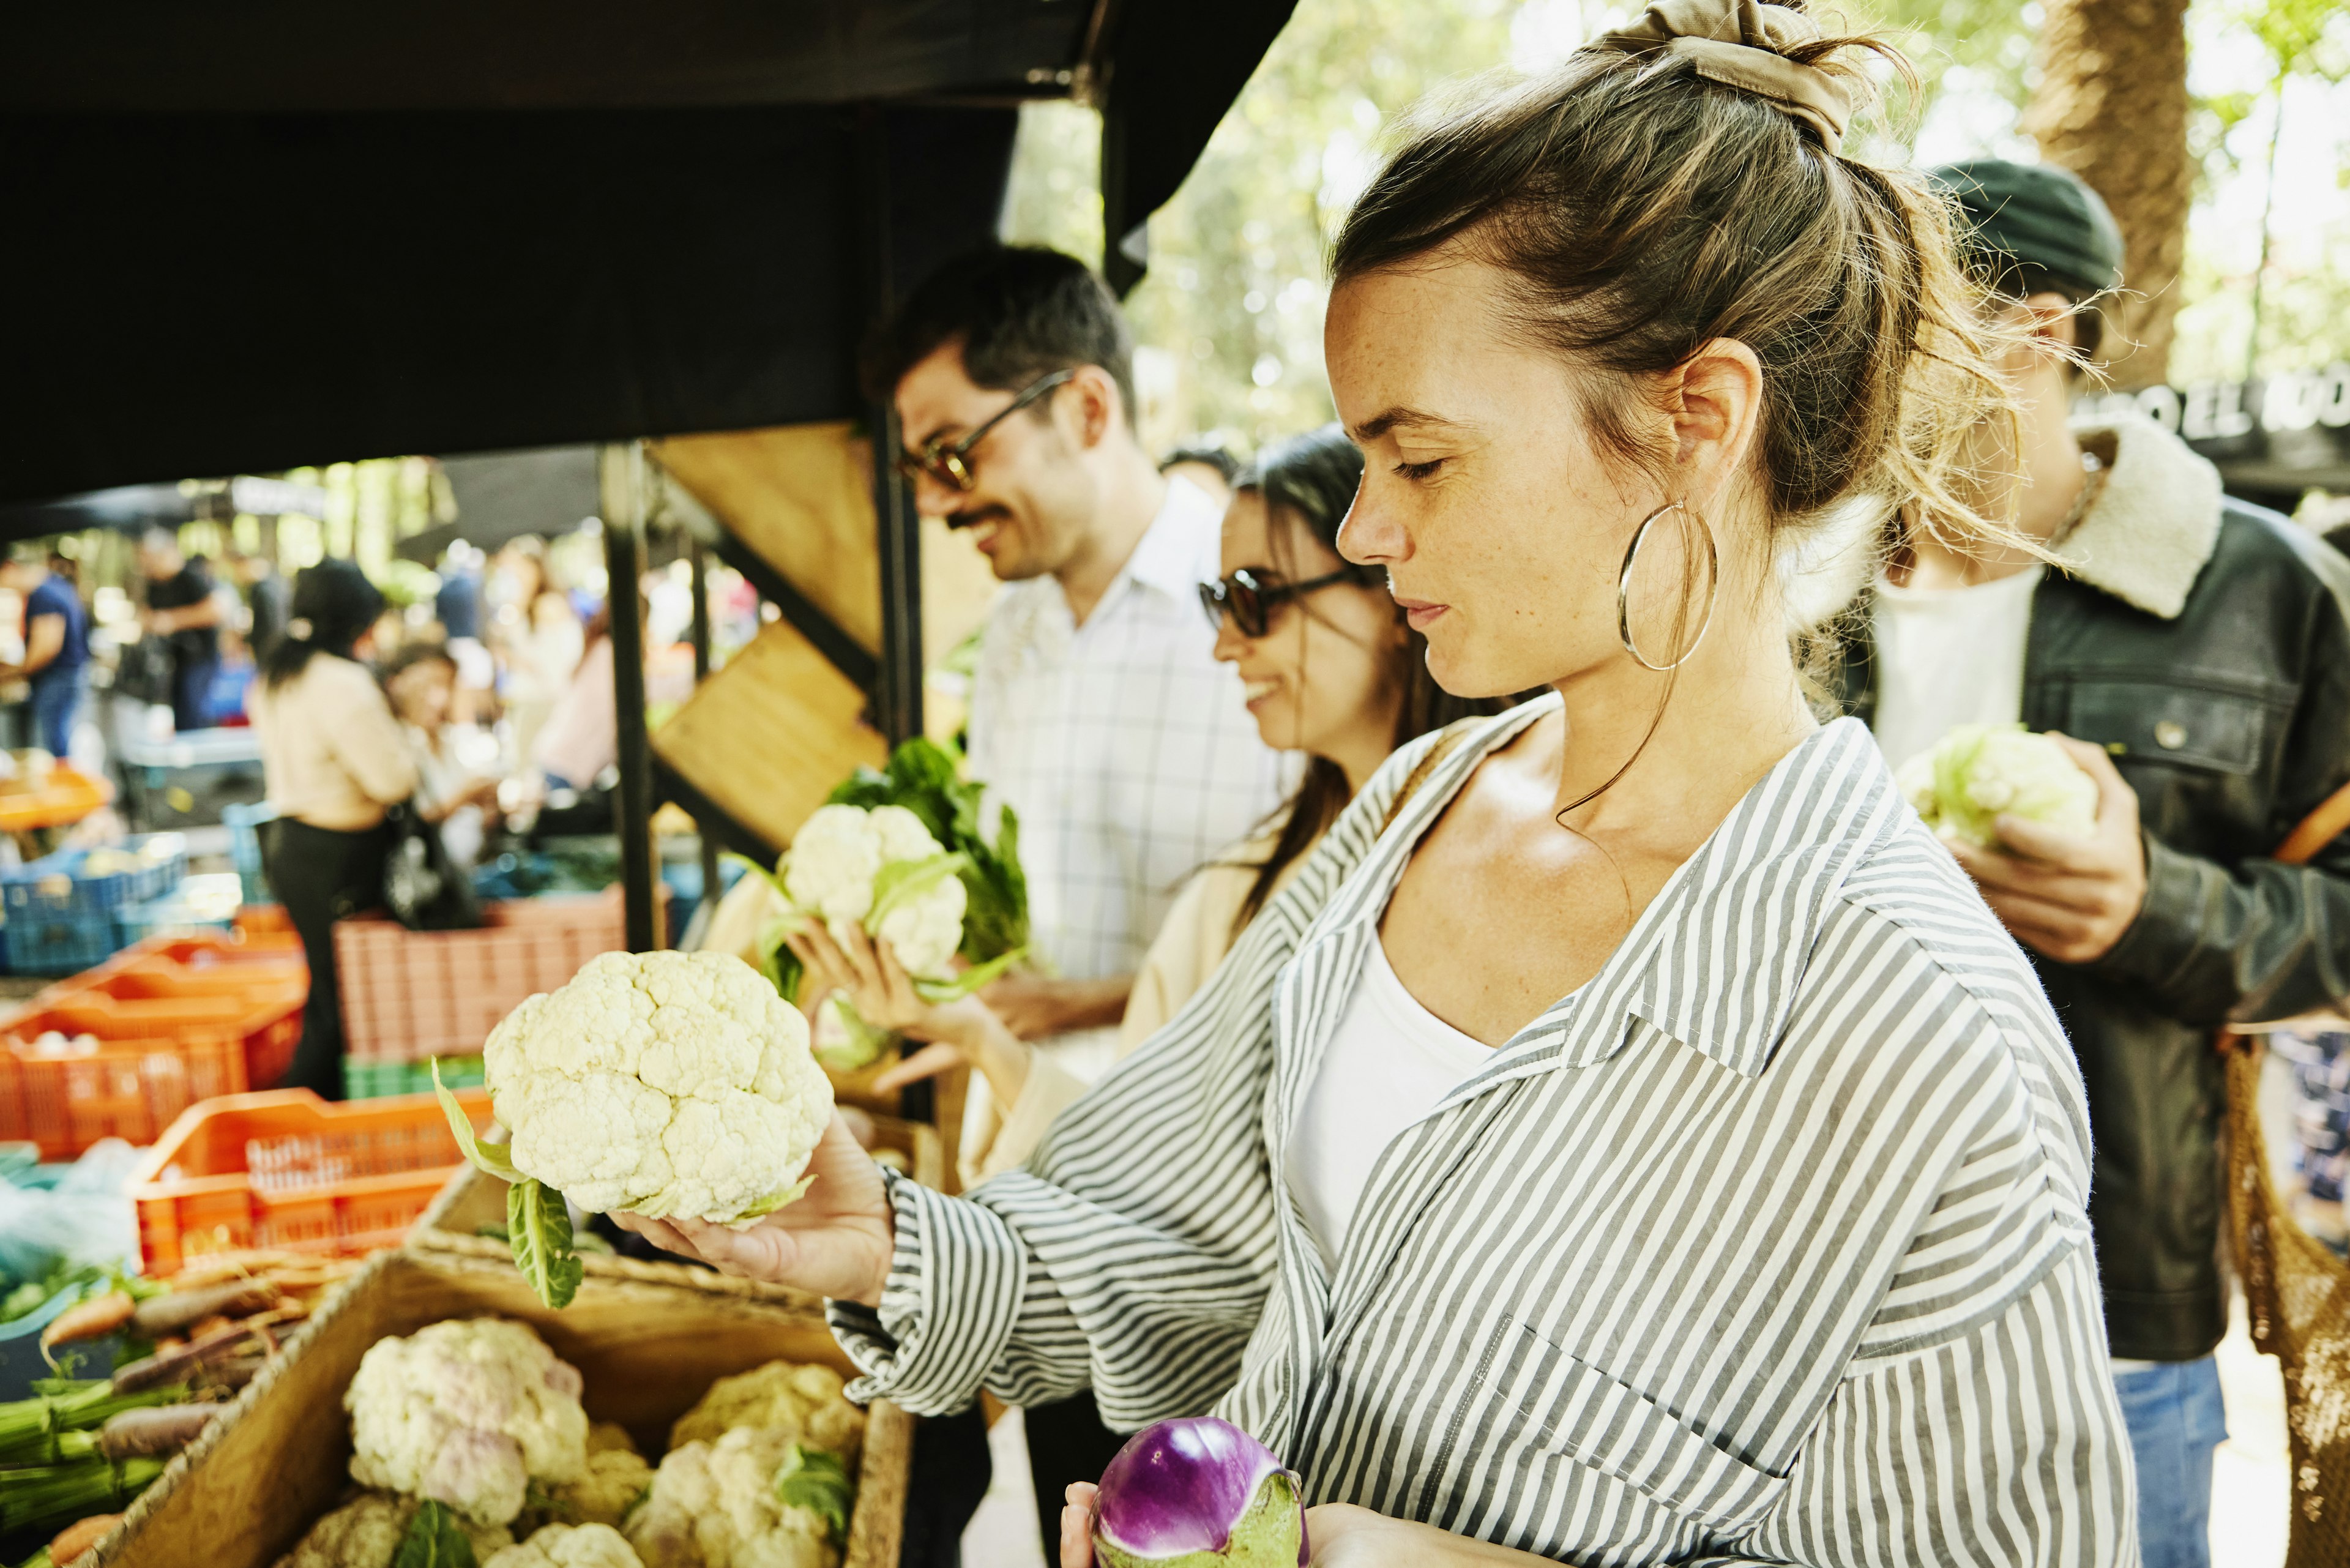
2195 653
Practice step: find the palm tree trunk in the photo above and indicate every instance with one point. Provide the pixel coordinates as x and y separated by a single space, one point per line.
2111 106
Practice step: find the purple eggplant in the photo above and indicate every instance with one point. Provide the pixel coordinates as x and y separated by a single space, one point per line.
1194 1493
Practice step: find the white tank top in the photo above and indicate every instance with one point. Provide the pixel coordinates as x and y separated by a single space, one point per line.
1388 1064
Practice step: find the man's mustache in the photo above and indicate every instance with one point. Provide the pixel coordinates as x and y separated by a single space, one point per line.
975 515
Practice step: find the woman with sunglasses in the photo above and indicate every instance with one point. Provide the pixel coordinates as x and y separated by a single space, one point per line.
1642 1145
1333 673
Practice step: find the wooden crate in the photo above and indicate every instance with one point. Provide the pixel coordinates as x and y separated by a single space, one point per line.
246 1491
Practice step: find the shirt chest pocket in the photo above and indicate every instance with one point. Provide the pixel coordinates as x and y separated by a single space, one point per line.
2182 726
1565 1406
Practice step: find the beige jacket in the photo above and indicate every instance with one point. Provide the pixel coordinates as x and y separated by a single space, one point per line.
1196 935
332 754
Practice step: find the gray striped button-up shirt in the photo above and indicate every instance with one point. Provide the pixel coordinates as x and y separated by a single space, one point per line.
1768 1244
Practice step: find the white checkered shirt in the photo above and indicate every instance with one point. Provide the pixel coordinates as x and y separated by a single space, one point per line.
1124 746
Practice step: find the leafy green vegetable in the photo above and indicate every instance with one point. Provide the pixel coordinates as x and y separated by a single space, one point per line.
31 1295
817 1480
54 1495
32 1431
434 1539
538 1230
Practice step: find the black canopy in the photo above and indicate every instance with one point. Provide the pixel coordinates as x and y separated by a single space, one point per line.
260 233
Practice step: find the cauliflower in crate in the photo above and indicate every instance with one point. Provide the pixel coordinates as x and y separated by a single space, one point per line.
754 1499
569 1546
807 1403
664 1084
368 1531
467 1412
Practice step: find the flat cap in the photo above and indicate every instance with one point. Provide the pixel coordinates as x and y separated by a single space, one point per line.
2033 216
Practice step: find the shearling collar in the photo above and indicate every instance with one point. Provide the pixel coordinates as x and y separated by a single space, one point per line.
2154 523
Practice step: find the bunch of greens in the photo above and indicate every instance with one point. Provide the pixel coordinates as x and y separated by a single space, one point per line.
924 778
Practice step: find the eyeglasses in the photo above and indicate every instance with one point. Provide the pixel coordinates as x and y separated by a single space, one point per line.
1250 598
948 462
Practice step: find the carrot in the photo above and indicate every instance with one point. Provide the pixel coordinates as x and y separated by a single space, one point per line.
156 1431
171 1313
81 1535
92 1319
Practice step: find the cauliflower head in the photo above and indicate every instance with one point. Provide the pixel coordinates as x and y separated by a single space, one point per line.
468 1412
714 1505
616 1480
365 1533
834 859
1978 771
570 1546
663 1083
805 1404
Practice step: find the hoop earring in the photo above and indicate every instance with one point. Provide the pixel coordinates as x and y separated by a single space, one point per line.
1624 585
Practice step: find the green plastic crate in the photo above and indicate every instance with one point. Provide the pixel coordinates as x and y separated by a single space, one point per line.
374 1080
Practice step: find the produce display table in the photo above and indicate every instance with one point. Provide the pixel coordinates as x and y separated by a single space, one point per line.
185 780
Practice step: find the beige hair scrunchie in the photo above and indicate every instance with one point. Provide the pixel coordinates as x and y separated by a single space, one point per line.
1738 43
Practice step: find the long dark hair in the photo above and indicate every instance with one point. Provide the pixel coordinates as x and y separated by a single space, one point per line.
334 605
1308 484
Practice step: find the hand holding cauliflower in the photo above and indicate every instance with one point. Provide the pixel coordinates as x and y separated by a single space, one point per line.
1978 773
662 1083
882 869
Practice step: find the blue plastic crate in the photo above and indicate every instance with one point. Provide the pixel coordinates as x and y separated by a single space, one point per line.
61 886
207 902
46 944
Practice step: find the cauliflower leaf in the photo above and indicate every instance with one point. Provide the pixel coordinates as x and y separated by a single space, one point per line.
817 1480
538 1230
433 1540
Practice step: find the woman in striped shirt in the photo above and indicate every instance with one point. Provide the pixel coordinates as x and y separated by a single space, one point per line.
1635 1143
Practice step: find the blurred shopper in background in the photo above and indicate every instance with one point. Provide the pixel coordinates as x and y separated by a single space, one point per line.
537 636
1211 468
56 646
334 760
268 599
1333 673
2196 651
182 610
1099 711
581 736
421 681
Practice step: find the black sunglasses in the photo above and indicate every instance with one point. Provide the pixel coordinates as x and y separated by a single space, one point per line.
948 462
1250 599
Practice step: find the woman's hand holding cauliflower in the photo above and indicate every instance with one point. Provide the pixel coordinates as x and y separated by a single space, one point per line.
836 1241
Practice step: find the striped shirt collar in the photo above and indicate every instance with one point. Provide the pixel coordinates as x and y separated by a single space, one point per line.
1759 887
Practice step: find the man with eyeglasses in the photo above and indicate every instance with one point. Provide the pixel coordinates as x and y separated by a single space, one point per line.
1098 713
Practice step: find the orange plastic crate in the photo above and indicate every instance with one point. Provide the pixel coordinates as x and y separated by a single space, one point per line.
260 950
125 1088
285 1169
267 1024
68 797
407 995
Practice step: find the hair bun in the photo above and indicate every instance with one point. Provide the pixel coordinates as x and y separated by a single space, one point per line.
1745 44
